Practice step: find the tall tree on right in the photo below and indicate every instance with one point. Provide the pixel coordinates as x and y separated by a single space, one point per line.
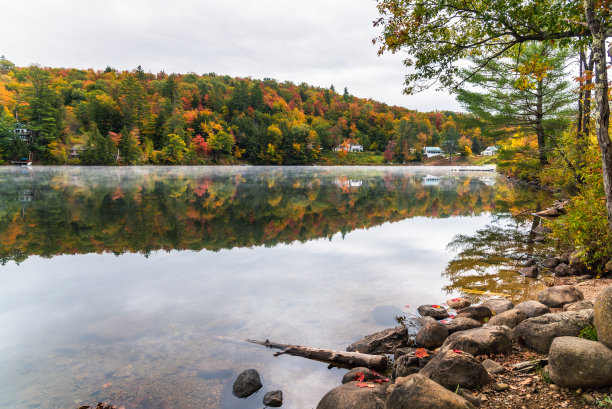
529 91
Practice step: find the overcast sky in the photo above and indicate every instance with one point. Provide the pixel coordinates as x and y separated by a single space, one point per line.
320 42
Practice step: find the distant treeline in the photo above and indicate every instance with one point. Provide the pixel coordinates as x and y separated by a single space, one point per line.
107 117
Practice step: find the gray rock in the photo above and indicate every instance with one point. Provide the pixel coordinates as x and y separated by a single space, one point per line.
563 270
461 324
467 395
532 308
529 263
478 313
247 383
580 363
402 351
438 312
558 296
608 266
510 318
550 262
273 399
458 303
350 396
456 369
480 341
498 305
409 364
538 333
530 272
575 261
382 342
431 335
492 367
500 386
542 230
580 305
351 375
419 392
602 316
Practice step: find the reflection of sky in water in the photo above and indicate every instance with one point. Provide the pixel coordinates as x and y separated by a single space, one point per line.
168 330
319 293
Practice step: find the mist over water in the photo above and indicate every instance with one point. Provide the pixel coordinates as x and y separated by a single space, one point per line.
150 278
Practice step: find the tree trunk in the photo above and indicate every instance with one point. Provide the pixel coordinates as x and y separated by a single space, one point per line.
338 358
602 105
539 126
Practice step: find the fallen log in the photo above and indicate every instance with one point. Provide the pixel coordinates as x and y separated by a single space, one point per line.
338 358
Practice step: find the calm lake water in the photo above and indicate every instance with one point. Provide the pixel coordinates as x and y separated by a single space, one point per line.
150 278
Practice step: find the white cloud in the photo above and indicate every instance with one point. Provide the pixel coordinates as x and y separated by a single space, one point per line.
318 42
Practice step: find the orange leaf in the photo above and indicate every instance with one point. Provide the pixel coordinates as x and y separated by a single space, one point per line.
107 385
436 306
420 353
359 376
365 385
381 380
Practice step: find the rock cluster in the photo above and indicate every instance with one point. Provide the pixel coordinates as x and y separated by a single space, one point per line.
249 382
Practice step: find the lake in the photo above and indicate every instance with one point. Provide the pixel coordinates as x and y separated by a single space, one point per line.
150 278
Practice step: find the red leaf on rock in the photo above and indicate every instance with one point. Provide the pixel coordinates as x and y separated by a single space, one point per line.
420 353
457 351
456 299
436 306
359 376
381 380
365 385
451 316
373 372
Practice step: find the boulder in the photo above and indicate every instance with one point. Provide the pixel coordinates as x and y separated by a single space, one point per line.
410 364
273 399
247 383
563 270
419 392
542 230
608 266
550 262
510 318
538 333
530 272
480 341
431 335
461 324
351 396
532 308
580 363
456 369
438 312
352 375
458 303
575 261
498 305
558 296
469 396
478 313
580 305
382 342
602 316
492 367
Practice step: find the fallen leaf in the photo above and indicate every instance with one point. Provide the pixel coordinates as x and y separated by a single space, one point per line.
451 316
365 385
407 306
381 380
420 353
373 372
457 351
107 385
456 299
359 376
443 321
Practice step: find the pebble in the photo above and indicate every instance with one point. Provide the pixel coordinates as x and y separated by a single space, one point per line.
589 399
553 386
500 386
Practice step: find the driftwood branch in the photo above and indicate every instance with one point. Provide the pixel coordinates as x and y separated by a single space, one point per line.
338 358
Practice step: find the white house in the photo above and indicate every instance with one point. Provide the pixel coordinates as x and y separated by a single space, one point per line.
22 132
430 180
491 150
351 148
431 151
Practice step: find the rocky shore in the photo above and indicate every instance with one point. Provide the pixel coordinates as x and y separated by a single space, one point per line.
536 354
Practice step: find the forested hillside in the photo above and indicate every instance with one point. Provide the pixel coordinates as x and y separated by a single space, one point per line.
130 117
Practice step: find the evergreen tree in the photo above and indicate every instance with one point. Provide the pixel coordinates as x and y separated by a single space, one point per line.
128 147
100 150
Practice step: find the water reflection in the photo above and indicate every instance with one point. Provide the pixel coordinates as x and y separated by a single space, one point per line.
302 255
